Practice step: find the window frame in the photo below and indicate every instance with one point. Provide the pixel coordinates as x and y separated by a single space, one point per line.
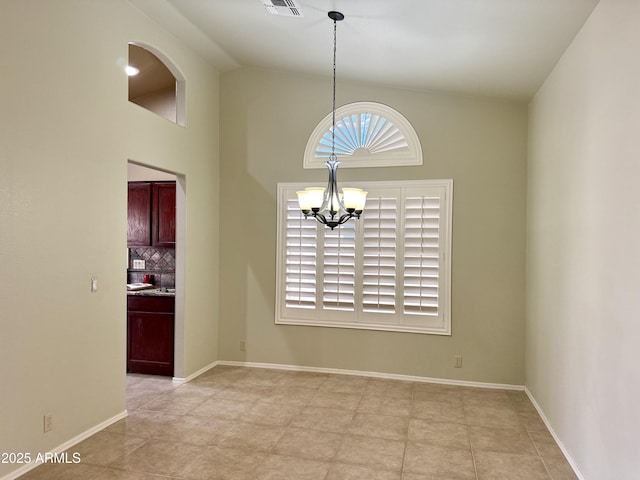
358 319
408 155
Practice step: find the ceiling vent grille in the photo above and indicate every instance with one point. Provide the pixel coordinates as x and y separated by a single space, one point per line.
287 8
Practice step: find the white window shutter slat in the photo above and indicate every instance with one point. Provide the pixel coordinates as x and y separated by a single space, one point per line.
301 241
421 255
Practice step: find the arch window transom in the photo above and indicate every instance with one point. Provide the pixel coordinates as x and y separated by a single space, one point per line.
367 134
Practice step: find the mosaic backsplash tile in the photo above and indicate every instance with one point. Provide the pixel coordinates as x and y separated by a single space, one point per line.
159 262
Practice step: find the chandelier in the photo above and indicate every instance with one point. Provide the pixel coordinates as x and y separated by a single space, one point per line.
326 205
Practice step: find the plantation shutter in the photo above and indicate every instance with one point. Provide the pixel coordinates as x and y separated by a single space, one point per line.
389 270
421 255
301 241
339 268
379 255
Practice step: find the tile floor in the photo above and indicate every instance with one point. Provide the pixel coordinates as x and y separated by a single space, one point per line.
237 423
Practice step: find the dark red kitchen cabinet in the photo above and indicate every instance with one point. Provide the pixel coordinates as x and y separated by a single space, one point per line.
163 214
151 214
150 335
139 214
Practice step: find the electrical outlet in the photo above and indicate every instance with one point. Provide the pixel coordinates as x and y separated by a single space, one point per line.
48 423
243 345
457 361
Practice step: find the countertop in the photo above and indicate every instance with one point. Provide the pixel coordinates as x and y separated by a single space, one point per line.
154 292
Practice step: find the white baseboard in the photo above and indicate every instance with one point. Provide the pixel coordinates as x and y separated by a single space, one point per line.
181 380
66 445
573 465
389 376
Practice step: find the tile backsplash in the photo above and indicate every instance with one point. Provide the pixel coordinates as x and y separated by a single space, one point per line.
159 262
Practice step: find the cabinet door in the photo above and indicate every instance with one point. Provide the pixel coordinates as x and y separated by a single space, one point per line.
164 215
150 343
139 215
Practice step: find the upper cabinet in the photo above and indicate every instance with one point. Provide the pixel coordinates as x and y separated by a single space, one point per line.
151 214
163 214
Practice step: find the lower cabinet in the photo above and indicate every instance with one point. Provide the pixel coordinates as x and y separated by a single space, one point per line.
150 334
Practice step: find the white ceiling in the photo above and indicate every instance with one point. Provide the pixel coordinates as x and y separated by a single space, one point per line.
500 48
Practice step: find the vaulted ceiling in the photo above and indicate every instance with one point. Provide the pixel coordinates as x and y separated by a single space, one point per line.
502 48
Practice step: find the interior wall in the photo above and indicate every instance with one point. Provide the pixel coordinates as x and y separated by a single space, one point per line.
584 230
66 134
479 142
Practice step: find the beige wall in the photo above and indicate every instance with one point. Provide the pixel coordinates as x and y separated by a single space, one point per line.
66 134
479 142
583 275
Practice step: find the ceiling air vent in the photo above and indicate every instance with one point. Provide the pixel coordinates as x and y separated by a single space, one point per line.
288 8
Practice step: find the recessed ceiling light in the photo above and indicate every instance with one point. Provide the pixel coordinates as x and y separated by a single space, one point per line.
131 71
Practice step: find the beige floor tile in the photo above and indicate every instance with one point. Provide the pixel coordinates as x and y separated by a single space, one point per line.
311 444
250 436
310 380
532 421
439 462
267 413
280 467
453 435
491 416
560 469
420 387
261 377
176 404
104 447
143 423
246 392
62 471
113 474
372 452
193 389
238 423
485 397
549 449
325 419
223 408
159 456
136 400
290 395
390 389
344 384
507 466
399 407
338 400
449 396
223 464
438 411
343 471
419 476
505 440
382 426
196 430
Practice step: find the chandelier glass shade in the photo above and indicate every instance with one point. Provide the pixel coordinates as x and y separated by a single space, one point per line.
327 205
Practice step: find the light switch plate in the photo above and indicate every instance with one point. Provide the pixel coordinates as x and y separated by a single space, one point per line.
138 264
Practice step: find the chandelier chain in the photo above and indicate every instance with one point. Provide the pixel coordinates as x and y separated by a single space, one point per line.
333 123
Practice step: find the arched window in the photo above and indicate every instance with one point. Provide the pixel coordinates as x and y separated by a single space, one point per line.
155 83
367 134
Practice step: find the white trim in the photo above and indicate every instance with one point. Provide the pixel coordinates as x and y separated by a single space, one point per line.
385 376
68 444
411 154
181 380
555 436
